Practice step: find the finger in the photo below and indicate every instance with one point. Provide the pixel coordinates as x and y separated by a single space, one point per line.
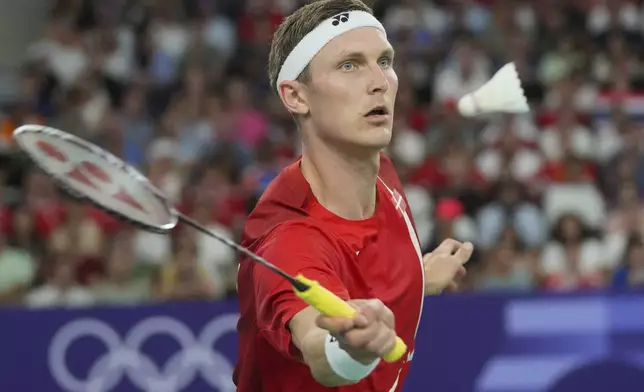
359 318
464 253
387 317
335 325
382 312
374 304
371 309
360 337
448 246
451 287
427 257
365 317
383 342
461 272
358 303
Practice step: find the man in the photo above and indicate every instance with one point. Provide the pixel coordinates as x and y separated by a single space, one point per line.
338 216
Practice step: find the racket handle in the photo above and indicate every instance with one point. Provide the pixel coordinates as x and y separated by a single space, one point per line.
331 305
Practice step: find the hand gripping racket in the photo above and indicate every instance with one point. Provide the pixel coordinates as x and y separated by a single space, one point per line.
92 174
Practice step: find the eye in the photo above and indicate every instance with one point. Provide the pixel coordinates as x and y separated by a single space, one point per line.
348 66
385 62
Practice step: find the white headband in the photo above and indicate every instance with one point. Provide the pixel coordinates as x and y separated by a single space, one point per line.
314 41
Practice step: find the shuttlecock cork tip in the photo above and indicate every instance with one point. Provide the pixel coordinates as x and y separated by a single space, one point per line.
468 106
501 94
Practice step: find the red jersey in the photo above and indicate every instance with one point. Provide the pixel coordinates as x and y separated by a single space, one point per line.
377 257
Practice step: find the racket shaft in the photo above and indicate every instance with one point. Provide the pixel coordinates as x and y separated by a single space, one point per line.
331 305
196 225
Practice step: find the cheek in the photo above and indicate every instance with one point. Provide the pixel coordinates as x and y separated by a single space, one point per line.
392 77
337 100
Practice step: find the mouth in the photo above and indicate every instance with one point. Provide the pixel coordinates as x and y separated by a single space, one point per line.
378 114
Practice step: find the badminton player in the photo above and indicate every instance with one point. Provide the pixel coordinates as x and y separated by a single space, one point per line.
338 215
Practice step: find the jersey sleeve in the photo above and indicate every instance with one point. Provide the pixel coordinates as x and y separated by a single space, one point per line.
296 248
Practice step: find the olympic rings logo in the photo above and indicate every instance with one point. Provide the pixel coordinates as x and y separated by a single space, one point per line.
124 356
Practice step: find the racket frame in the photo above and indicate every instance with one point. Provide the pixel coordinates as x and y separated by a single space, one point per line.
112 160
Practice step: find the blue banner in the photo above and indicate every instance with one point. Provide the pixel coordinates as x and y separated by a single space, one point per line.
548 343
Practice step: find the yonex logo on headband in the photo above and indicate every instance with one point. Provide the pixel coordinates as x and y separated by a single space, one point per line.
324 33
344 17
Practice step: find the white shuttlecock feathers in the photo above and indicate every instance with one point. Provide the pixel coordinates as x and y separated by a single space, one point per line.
501 94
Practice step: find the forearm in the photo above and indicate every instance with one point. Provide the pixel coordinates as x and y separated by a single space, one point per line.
314 355
330 365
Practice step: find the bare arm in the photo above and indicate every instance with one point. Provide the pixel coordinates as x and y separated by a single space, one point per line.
357 344
310 340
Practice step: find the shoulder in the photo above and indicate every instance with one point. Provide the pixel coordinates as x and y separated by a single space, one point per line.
283 201
289 187
302 238
295 248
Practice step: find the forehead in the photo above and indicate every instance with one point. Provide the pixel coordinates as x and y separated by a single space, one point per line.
367 41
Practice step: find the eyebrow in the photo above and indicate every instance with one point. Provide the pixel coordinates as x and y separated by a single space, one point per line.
388 52
360 55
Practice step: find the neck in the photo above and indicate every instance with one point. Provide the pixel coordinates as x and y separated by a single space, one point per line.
343 183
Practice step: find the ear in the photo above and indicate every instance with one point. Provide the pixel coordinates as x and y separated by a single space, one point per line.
294 97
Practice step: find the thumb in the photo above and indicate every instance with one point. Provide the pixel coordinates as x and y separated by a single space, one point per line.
448 246
464 253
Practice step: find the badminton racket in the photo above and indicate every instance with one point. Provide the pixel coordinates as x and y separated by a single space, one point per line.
91 174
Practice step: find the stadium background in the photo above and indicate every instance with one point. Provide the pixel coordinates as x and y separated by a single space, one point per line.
552 201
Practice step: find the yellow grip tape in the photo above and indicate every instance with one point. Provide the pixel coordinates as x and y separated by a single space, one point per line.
331 305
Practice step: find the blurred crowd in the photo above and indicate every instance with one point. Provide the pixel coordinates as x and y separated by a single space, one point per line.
178 88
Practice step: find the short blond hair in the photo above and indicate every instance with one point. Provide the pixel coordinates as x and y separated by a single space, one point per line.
299 24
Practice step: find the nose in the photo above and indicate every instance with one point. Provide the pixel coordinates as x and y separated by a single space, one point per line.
379 82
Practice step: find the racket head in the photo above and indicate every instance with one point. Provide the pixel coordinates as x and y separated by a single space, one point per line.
89 173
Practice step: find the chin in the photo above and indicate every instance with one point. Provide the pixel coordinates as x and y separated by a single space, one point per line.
373 138
377 137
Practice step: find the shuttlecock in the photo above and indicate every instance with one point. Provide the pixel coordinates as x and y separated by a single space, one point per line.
501 94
